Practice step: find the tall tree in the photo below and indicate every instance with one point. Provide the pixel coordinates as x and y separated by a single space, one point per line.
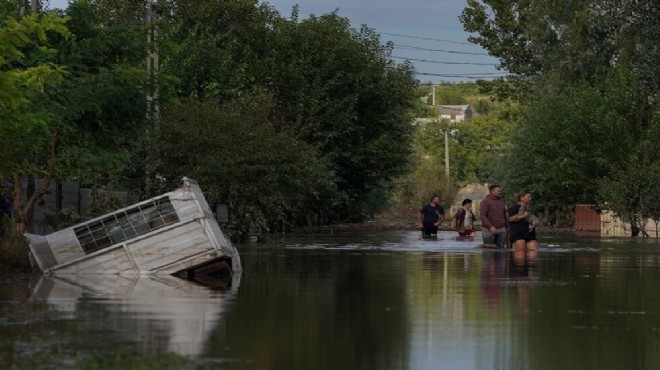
338 89
568 142
102 102
29 135
587 72
480 144
83 126
211 46
334 87
265 176
561 42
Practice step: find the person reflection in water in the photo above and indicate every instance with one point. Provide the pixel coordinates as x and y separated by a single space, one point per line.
501 267
522 269
493 273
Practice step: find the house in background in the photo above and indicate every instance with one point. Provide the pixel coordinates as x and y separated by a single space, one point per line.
455 113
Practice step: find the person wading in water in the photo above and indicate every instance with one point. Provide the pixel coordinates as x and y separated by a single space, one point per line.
494 221
430 216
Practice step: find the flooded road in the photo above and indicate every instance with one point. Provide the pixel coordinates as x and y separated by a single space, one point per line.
356 300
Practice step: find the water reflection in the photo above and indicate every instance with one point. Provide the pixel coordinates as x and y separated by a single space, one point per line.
377 300
503 269
162 313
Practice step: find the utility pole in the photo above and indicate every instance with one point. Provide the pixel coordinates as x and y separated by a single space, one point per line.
433 95
153 66
447 153
153 63
446 135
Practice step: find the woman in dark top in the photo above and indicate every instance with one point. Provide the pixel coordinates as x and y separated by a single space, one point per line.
522 236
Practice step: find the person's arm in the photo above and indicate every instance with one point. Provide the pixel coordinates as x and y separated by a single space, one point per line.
514 214
454 220
483 215
486 221
441 217
518 217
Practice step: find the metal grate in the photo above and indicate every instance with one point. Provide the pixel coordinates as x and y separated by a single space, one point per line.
126 224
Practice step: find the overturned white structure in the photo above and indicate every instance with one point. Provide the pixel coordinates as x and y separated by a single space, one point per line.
174 233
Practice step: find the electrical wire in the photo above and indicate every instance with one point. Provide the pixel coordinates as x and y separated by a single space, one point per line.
425 38
443 62
470 76
408 47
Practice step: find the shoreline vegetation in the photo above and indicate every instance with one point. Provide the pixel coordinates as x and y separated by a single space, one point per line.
404 218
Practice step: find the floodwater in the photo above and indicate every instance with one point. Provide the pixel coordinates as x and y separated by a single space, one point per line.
358 300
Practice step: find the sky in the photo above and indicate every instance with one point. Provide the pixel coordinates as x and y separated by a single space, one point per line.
426 32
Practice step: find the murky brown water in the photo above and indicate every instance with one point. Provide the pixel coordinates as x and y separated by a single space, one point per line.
361 300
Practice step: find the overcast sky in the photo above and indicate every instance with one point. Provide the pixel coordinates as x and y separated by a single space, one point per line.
420 25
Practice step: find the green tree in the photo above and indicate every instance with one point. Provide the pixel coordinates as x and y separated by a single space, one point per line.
587 72
567 142
240 159
212 47
479 145
334 87
83 126
425 180
338 89
560 42
29 135
631 189
449 95
632 195
101 104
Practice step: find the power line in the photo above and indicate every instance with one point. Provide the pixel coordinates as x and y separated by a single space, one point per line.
499 74
471 76
425 38
476 74
440 50
442 62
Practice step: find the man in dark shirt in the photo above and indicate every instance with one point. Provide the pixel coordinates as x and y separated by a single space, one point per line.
430 216
492 212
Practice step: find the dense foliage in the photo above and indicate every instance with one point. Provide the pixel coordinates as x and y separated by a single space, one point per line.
263 175
294 121
586 73
476 147
286 121
333 87
29 131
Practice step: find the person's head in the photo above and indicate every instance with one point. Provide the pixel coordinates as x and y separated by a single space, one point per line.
524 197
495 190
467 203
435 199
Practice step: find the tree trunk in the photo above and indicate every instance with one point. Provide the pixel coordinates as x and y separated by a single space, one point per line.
21 211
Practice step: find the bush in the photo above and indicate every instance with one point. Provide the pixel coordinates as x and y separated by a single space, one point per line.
14 253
